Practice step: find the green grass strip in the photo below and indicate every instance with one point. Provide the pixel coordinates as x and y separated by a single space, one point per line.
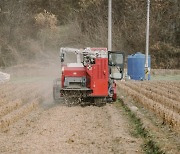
149 146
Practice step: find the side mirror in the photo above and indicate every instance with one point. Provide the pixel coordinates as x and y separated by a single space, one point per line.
116 64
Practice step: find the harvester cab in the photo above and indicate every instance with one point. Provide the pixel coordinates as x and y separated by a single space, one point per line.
88 75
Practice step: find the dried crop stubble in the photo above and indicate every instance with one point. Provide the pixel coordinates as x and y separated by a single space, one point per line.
24 92
172 83
168 103
19 93
174 95
8 94
3 101
166 96
10 107
30 95
168 86
166 114
17 114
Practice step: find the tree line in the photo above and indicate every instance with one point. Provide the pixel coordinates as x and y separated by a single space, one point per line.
31 27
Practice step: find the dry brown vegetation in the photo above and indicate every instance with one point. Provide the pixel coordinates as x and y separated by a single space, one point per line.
160 97
30 122
36 28
18 100
29 126
165 72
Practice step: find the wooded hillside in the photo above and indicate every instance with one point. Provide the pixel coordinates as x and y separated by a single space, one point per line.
31 28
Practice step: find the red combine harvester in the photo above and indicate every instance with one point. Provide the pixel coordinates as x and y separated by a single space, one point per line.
91 79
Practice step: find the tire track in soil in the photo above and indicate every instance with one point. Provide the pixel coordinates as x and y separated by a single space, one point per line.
62 129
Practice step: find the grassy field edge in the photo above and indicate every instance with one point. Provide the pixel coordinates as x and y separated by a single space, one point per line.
149 146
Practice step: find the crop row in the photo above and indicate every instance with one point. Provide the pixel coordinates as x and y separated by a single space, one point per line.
167 114
162 99
19 92
169 86
15 103
172 94
14 116
172 83
25 97
10 107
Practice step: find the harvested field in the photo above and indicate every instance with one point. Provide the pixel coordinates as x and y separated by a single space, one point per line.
30 122
34 124
17 101
159 97
165 71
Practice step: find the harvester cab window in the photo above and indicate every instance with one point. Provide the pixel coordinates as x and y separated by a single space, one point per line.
116 65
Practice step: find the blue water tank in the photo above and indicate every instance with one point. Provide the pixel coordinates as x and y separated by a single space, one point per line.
135 66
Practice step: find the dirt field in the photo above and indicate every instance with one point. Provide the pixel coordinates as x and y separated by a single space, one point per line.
159 97
157 105
61 129
30 122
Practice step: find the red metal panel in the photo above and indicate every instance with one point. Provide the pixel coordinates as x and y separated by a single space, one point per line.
99 77
74 71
